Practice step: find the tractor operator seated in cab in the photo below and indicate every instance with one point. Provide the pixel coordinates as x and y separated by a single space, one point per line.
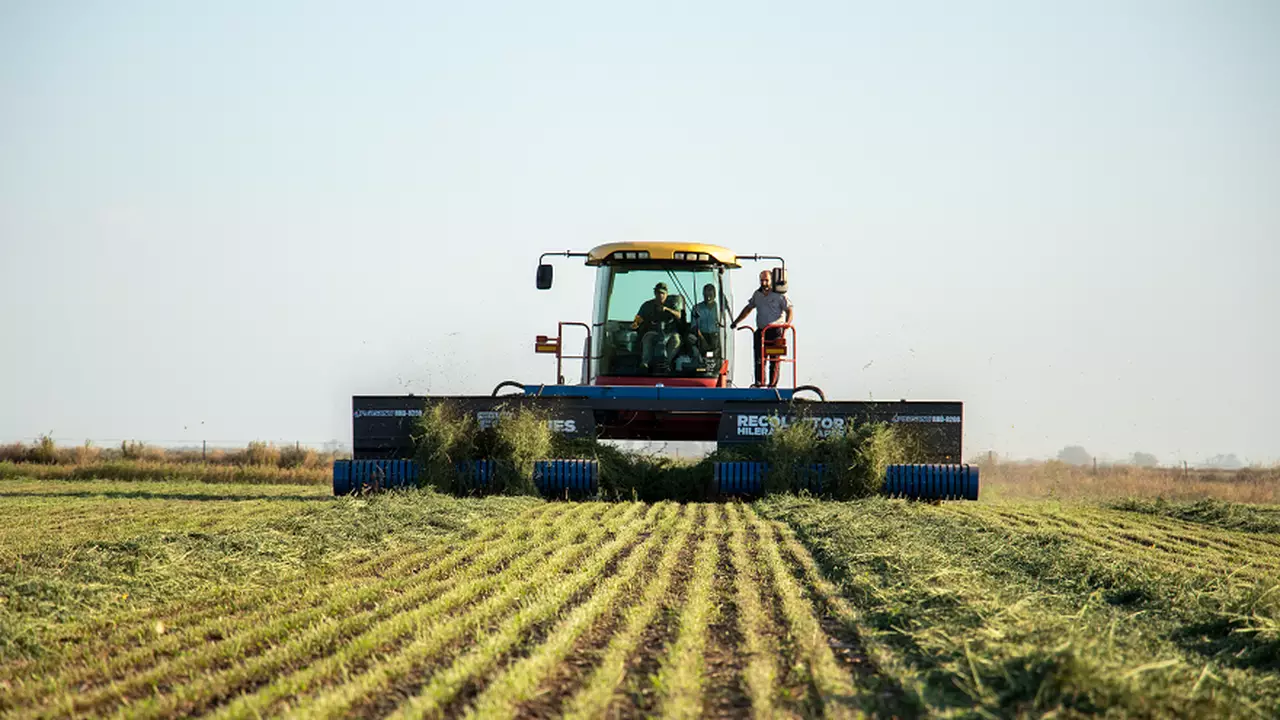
704 321
770 306
656 321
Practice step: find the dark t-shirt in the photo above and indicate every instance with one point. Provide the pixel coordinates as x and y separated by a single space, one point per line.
653 316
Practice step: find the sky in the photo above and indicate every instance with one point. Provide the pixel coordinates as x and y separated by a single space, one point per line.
219 221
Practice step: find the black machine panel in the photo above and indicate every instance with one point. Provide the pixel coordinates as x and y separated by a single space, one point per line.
382 425
935 427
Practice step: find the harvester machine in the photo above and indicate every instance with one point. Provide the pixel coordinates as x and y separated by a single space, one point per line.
664 372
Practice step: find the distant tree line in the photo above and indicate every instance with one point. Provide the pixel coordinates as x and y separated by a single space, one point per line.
1078 456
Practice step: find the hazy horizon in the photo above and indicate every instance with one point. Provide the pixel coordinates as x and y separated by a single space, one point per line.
221 222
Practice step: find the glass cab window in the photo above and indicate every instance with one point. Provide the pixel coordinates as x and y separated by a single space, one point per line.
664 322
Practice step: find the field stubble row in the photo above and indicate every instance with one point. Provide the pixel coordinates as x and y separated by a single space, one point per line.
475 620
1045 608
256 602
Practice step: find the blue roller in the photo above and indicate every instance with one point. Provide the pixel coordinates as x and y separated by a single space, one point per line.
341 477
353 476
932 482
920 482
740 478
811 477
475 474
578 477
747 478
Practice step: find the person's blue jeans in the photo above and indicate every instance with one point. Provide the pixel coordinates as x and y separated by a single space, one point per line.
653 340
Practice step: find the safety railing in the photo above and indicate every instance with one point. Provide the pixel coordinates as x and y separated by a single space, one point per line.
775 352
546 344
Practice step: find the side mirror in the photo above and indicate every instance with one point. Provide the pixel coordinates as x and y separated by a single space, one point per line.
780 280
544 276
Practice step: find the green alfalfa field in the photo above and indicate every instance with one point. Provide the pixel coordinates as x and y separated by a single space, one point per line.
159 599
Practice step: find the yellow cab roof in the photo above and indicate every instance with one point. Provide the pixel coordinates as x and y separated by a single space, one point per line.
663 251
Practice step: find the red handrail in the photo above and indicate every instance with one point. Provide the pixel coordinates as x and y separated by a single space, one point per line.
560 357
795 377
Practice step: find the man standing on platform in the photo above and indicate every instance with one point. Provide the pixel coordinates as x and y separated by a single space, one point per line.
770 306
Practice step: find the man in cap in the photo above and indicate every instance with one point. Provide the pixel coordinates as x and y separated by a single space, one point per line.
656 321
770 306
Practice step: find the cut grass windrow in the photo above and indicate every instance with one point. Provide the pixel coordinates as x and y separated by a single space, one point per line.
1165 542
425 630
761 674
682 676
335 598
185 555
79 524
834 688
1219 541
602 688
93 665
552 598
989 614
306 666
405 669
375 564
844 612
1236 517
215 671
177 602
520 681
